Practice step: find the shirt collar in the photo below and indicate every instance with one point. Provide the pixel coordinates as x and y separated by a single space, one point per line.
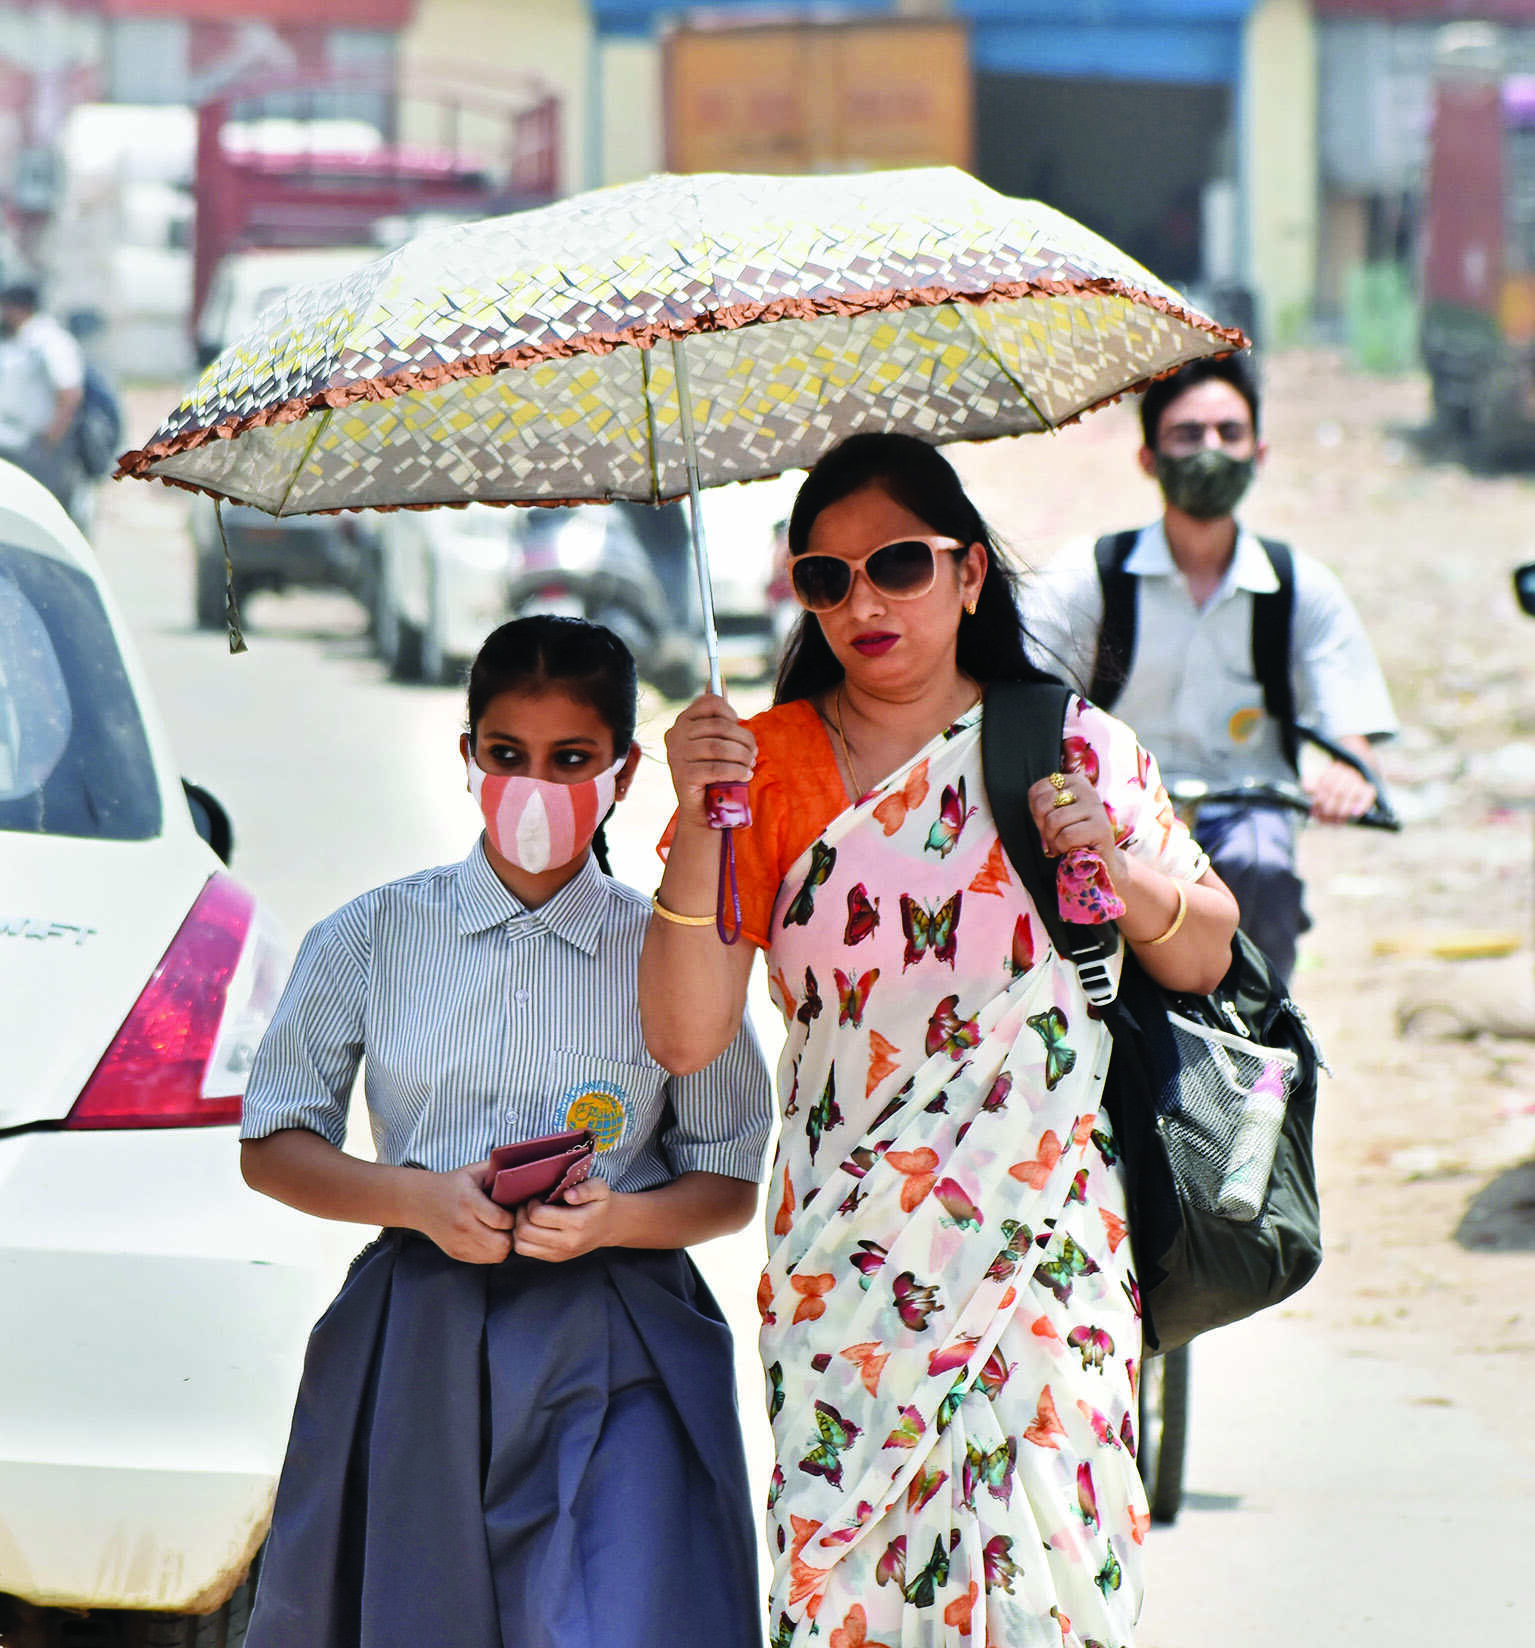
575 913
1250 568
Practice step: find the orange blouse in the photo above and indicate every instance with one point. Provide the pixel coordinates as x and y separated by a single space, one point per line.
796 791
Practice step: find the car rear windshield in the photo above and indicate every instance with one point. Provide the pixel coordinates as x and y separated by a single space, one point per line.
74 758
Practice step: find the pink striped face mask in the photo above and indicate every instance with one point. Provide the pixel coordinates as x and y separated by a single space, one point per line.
537 824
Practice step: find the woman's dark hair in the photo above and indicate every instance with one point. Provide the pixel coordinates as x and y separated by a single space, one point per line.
586 661
1237 370
990 644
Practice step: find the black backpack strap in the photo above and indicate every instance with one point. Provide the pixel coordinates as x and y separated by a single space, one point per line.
1273 633
1021 730
1116 631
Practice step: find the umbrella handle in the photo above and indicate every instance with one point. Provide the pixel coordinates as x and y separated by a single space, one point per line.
727 900
727 807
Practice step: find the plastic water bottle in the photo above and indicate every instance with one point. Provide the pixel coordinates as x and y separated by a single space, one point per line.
1246 1183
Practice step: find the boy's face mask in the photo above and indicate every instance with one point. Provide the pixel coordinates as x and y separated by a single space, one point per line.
1206 484
536 823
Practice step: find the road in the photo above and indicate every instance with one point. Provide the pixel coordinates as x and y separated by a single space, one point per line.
1341 1490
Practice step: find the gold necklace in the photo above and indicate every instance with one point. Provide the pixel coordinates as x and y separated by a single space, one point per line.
836 709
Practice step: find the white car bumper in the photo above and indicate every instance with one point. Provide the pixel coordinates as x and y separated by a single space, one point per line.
154 1318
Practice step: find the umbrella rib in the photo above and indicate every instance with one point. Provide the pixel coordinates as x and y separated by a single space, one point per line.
1002 366
650 426
321 424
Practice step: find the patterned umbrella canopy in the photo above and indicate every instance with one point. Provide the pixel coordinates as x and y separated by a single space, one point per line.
515 360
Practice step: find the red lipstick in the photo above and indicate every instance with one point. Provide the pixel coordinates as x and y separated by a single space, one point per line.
875 643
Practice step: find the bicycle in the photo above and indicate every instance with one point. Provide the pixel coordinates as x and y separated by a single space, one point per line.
1163 1417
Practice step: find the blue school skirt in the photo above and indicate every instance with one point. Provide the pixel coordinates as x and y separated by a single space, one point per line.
524 1455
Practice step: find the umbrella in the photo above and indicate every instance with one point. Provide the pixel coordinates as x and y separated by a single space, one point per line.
640 341
647 340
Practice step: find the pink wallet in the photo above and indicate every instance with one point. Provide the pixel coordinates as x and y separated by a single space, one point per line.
545 1167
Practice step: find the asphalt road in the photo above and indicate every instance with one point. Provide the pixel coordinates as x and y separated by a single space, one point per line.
1335 1498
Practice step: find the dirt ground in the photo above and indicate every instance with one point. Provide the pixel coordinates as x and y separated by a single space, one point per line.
1427 1129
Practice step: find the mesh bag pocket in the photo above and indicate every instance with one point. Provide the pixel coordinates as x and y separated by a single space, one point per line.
1221 1113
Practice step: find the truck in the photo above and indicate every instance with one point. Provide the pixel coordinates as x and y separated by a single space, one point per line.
1477 332
301 179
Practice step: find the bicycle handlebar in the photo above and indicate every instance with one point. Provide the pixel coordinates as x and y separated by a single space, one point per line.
1381 814
1259 792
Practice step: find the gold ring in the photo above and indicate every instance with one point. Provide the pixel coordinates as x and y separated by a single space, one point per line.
1058 780
1063 798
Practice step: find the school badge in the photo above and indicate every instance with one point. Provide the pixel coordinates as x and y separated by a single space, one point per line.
598 1106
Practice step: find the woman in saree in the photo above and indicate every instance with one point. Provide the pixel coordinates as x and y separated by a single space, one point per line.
950 1321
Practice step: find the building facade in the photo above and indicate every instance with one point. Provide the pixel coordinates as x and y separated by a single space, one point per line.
1183 130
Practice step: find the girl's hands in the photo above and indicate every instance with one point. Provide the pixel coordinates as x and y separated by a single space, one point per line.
586 1219
1082 822
707 744
454 1210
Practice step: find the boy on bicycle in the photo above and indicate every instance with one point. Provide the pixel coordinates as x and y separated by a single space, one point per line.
1214 643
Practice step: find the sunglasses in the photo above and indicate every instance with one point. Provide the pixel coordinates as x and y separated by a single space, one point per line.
903 570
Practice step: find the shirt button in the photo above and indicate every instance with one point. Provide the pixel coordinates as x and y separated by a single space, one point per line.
520 997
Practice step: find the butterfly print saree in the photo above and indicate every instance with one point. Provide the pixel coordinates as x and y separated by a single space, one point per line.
948 1305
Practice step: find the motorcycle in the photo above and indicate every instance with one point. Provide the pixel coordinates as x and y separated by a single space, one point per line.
614 564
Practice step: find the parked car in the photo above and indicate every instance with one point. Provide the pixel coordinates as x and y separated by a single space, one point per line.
446 577
270 551
155 1310
747 528
440 586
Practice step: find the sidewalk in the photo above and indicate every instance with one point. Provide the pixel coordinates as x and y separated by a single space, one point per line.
1337 1500
1333 1500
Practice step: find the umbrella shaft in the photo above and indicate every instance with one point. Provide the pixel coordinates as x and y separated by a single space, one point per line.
695 507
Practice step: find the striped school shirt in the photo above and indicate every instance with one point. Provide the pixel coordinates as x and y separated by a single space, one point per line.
483 1022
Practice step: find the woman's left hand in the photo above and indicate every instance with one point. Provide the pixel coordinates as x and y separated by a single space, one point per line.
1081 822
554 1231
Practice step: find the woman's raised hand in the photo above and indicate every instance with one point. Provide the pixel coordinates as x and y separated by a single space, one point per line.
454 1210
707 744
1083 821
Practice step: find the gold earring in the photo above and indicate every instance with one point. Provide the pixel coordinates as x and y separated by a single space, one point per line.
970 608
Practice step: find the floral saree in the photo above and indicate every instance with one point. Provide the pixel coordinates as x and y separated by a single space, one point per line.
950 1322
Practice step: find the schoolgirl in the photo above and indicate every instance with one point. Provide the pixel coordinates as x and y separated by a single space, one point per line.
514 1430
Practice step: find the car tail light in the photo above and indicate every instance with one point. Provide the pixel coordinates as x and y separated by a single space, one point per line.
183 1053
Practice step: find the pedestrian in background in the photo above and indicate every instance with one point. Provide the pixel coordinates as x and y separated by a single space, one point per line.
1203 600
512 1428
42 382
951 1325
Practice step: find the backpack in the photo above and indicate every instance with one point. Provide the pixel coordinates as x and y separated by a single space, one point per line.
1212 1098
97 430
1273 624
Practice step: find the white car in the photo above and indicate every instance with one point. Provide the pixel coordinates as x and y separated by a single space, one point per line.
446 577
440 586
153 1311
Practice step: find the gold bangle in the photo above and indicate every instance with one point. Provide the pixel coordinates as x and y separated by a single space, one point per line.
1177 921
671 915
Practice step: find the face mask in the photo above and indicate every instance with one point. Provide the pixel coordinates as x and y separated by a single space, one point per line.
537 824
1205 484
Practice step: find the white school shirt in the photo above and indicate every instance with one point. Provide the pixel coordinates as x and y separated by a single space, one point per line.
39 361
484 1023
1191 694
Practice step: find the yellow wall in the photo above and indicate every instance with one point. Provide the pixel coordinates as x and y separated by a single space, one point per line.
1279 161
633 141
498 39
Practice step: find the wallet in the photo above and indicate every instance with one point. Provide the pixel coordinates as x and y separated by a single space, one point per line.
545 1167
